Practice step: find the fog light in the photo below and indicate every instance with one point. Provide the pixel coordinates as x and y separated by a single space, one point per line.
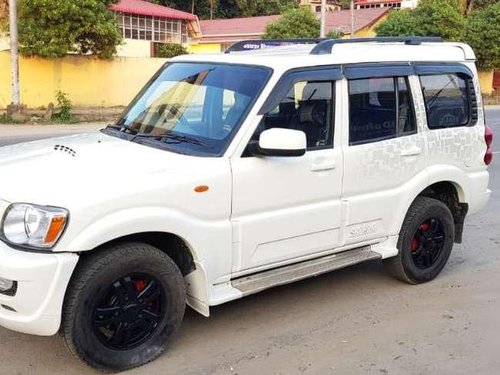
5 284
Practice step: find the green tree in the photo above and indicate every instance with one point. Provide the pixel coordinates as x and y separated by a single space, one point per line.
400 23
483 34
440 18
431 18
170 50
57 27
335 34
478 4
4 16
231 8
345 4
295 23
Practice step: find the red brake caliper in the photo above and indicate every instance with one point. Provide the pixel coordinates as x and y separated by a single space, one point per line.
415 243
139 285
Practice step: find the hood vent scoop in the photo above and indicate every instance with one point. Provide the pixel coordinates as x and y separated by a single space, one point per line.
65 149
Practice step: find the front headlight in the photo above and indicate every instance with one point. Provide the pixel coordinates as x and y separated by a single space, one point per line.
30 225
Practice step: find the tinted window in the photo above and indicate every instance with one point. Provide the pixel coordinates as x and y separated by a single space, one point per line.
406 114
380 108
308 106
446 100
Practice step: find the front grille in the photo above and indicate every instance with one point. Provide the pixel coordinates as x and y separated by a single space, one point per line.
10 292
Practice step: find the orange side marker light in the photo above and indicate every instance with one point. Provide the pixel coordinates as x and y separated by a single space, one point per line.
55 229
201 188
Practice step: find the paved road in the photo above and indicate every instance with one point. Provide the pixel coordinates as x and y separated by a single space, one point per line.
353 321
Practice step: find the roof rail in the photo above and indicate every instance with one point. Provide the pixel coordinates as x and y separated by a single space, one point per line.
325 47
257 44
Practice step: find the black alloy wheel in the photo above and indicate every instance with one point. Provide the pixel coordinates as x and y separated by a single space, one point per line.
129 311
122 306
425 242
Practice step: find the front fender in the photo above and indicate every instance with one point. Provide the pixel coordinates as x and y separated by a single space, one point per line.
209 243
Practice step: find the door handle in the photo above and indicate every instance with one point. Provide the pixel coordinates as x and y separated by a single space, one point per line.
320 167
413 151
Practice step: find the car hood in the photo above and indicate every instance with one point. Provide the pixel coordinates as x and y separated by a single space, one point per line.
55 171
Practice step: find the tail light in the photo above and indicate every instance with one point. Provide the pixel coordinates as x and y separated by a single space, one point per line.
488 138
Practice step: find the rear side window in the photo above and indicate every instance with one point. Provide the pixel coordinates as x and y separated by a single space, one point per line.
380 108
447 100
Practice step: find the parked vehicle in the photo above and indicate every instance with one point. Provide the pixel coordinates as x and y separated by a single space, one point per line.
233 173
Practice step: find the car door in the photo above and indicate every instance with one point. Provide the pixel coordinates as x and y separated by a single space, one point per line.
288 208
383 151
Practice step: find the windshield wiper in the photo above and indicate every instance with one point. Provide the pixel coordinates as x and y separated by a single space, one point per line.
123 128
172 136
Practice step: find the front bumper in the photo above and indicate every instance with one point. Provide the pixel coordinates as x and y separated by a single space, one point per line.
42 280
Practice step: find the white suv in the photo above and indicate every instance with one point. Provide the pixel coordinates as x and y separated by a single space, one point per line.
233 173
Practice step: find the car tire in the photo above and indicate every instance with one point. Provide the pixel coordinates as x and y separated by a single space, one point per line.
122 306
425 242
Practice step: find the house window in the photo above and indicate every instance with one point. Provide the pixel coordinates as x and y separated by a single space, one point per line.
153 29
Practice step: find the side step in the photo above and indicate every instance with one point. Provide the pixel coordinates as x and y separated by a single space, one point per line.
299 271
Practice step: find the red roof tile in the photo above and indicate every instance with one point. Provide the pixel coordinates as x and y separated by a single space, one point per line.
223 30
145 8
341 20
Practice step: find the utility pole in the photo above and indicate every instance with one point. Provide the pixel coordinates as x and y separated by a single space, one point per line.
323 19
192 6
14 52
353 20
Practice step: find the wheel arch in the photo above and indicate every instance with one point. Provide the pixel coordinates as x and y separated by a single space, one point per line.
453 196
174 246
183 255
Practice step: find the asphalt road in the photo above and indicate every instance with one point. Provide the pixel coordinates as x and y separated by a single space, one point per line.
354 321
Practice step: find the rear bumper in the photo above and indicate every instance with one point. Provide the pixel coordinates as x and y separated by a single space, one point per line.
479 192
42 279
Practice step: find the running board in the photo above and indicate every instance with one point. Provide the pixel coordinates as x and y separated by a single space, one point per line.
299 271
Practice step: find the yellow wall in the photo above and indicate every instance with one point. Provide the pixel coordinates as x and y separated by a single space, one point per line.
134 48
205 48
369 31
4 43
486 81
88 81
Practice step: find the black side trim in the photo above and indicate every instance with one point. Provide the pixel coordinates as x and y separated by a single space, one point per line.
10 292
378 70
291 77
474 109
442 68
255 150
459 219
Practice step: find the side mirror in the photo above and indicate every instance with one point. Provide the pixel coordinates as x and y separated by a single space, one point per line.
280 142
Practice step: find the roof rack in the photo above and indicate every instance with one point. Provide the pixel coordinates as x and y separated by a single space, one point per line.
326 46
258 44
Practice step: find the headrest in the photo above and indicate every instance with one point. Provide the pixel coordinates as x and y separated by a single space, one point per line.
387 99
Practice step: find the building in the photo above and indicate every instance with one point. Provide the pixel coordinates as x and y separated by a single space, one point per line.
144 25
331 5
409 4
368 4
396 4
217 35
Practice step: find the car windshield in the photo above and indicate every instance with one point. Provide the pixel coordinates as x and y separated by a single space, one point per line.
193 108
